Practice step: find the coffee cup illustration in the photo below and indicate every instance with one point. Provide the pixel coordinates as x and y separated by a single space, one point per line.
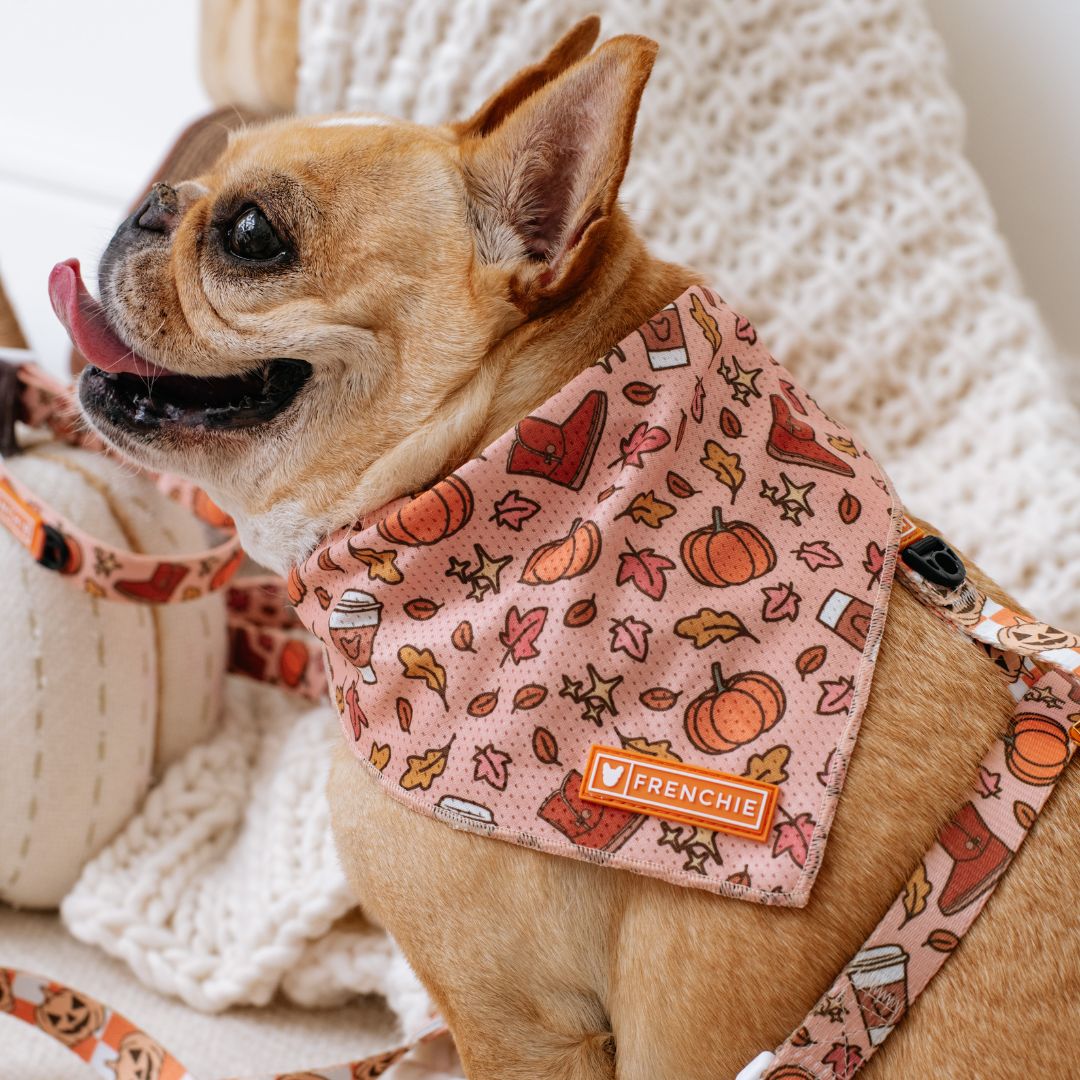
879 979
353 625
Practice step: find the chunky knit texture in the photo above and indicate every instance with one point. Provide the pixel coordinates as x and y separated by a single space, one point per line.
806 155
225 887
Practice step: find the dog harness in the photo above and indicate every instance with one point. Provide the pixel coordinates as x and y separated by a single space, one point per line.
379 577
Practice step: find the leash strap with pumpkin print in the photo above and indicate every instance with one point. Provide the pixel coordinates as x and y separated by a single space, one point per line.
947 890
30 396
118 1050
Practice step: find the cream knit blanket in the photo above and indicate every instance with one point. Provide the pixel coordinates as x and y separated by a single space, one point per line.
806 154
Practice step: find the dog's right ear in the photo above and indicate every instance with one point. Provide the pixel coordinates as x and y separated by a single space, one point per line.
569 49
543 160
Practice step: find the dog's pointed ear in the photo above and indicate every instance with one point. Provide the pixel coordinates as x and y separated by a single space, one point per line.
570 48
542 183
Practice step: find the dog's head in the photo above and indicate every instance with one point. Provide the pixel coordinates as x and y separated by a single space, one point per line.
314 326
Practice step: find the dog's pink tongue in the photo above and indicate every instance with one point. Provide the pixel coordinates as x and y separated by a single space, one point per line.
84 320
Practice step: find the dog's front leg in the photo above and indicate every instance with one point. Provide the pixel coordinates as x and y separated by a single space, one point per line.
512 944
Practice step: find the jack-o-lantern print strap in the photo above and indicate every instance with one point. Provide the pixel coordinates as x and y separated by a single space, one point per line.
115 1049
55 542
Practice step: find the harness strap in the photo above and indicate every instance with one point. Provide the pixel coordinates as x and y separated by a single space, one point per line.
29 395
114 1047
948 889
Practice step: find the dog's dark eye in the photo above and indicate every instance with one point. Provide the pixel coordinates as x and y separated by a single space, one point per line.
251 236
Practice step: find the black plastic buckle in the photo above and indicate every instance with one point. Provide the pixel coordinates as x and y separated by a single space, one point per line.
936 561
10 403
54 551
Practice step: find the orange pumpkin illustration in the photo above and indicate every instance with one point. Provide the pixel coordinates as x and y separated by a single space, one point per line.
735 711
727 553
1036 749
432 516
568 557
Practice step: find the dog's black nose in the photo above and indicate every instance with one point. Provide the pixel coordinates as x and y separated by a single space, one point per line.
161 210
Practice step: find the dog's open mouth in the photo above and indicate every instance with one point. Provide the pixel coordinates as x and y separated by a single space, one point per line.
124 388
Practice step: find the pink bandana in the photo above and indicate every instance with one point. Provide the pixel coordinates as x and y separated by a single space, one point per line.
679 558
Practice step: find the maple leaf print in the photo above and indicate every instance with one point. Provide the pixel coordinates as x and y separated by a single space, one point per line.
642 440
421 664
647 509
631 636
521 633
989 783
781 602
873 563
835 696
793 837
645 570
844 1059
817 554
513 510
491 766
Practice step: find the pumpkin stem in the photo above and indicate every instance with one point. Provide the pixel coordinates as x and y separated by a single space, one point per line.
718 519
718 678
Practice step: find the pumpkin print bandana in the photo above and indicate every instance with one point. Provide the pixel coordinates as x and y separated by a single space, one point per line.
679 557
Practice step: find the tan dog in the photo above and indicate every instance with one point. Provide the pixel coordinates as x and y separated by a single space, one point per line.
430 287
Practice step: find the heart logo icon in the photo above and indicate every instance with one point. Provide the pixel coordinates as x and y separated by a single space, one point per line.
612 774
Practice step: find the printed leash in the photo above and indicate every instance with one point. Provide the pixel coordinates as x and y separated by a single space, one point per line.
948 889
55 542
118 1050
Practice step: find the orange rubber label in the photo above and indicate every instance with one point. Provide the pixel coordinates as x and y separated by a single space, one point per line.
21 520
675 791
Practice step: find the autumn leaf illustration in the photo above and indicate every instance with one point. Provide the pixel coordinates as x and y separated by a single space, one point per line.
810 660
483 704
403 708
679 486
844 1059
639 393
781 602
530 696
640 745
697 407
793 837
513 510
818 555
874 561
682 430
642 440
916 891
580 612
545 747
730 424
519 637
491 766
647 509
708 626
944 941
659 698
424 769
644 570
989 783
379 756
421 664
1024 813
380 564
421 608
631 636
725 465
709 326
844 445
836 696
357 719
769 767
326 561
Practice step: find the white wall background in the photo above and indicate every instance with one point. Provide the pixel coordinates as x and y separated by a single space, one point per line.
91 94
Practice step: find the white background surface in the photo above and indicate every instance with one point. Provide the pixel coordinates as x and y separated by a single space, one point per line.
93 93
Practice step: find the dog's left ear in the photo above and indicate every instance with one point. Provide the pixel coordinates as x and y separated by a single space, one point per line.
543 182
